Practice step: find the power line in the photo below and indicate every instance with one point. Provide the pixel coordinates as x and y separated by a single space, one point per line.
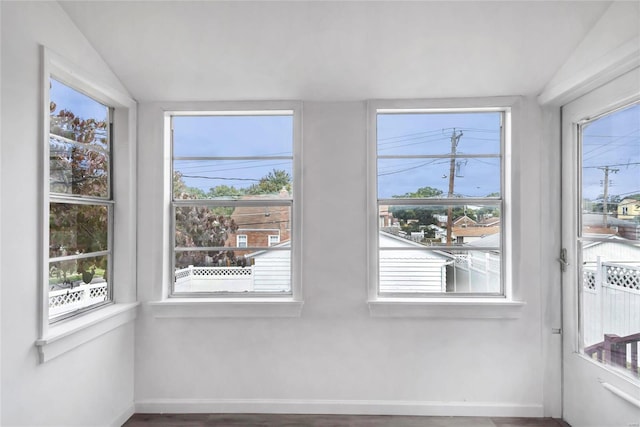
606 166
220 177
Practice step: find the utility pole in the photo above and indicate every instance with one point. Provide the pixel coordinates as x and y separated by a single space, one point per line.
605 197
452 173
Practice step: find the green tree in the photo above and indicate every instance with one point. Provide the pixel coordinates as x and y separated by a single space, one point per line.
422 192
272 183
225 191
200 226
79 163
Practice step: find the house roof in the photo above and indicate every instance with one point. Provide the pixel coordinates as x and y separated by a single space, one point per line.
474 231
464 220
486 222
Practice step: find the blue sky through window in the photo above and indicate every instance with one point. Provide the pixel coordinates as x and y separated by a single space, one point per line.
231 139
430 134
612 142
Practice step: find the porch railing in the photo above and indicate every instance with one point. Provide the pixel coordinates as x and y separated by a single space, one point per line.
617 351
66 300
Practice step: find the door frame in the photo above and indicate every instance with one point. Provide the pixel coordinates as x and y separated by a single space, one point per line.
589 387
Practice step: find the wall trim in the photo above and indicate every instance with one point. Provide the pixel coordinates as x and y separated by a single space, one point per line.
124 416
340 407
624 58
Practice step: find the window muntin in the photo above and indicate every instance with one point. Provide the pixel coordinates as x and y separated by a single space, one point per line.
80 202
440 202
609 238
232 188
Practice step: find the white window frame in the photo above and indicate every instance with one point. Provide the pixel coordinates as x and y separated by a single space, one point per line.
274 239
60 337
233 305
241 240
442 305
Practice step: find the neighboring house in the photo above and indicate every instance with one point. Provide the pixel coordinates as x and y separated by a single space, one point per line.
385 218
464 221
629 209
463 235
615 251
489 221
260 226
594 223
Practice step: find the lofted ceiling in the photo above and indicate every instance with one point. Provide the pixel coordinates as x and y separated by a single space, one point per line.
320 50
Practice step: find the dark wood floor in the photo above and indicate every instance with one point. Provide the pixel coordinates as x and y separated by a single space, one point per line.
277 420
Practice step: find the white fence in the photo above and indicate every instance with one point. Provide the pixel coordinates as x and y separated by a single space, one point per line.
610 301
476 271
271 276
214 279
81 296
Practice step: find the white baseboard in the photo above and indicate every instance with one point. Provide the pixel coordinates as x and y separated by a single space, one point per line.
124 416
342 407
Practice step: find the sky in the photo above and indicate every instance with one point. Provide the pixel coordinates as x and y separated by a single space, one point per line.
81 105
399 134
612 141
268 136
428 134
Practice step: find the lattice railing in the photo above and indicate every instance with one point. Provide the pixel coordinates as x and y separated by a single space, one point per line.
66 300
589 280
69 297
627 277
98 292
184 273
222 271
615 275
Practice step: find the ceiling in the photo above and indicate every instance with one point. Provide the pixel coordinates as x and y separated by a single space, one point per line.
320 50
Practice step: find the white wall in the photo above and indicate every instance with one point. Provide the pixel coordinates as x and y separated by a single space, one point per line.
93 384
335 357
609 49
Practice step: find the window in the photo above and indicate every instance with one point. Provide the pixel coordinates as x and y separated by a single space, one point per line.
609 238
274 240
80 202
439 201
232 191
88 215
241 240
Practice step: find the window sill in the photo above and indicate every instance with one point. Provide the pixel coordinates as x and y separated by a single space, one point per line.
449 308
226 307
66 336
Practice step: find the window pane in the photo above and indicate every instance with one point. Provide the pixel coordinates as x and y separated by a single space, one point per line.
77 284
243 160
79 143
611 174
412 178
431 133
77 229
211 179
611 239
233 136
233 271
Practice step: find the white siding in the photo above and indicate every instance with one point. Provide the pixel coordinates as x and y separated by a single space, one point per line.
272 272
